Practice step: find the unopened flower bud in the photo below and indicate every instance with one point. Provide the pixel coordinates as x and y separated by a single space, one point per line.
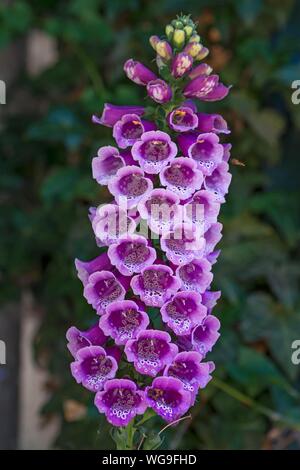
195 38
169 31
188 31
201 69
154 40
159 91
202 54
181 64
177 24
193 49
178 38
164 50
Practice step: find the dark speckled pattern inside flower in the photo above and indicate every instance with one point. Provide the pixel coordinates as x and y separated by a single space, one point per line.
155 150
133 185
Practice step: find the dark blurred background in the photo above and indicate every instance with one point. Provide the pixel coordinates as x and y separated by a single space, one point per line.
61 60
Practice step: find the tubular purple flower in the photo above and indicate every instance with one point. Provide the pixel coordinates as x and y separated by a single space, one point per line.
101 289
204 149
212 123
86 268
111 222
123 320
213 256
168 398
93 367
129 129
182 177
182 244
138 73
131 254
219 181
195 276
106 164
77 339
183 312
160 209
155 285
120 401
205 336
113 113
181 64
203 209
154 151
209 299
159 91
200 70
206 88
227 150
182 119
212 237
151 351
188 368
130 185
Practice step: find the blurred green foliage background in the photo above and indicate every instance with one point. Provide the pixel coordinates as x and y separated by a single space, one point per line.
46 189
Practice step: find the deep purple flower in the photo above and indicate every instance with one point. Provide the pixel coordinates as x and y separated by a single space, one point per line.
206 88
183 312
77 339
154 151
111 222
193 373
159 91
200 70
151 351
155 285
182 177
131 254
93 367
161 209
181 64
209 299
168 398
219 181
212 237
203 209
86 268
212 123
206 335
183 243
195 276
121 401
138 73
205 149
123 320
102 289
129 129
130 184
106 164
182 119
113 113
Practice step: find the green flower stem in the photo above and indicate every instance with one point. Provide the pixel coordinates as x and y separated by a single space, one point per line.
247 401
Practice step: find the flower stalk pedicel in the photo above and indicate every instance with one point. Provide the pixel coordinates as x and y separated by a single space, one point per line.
168 172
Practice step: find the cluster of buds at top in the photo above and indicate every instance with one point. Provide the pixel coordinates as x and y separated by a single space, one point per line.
181 36
178 163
